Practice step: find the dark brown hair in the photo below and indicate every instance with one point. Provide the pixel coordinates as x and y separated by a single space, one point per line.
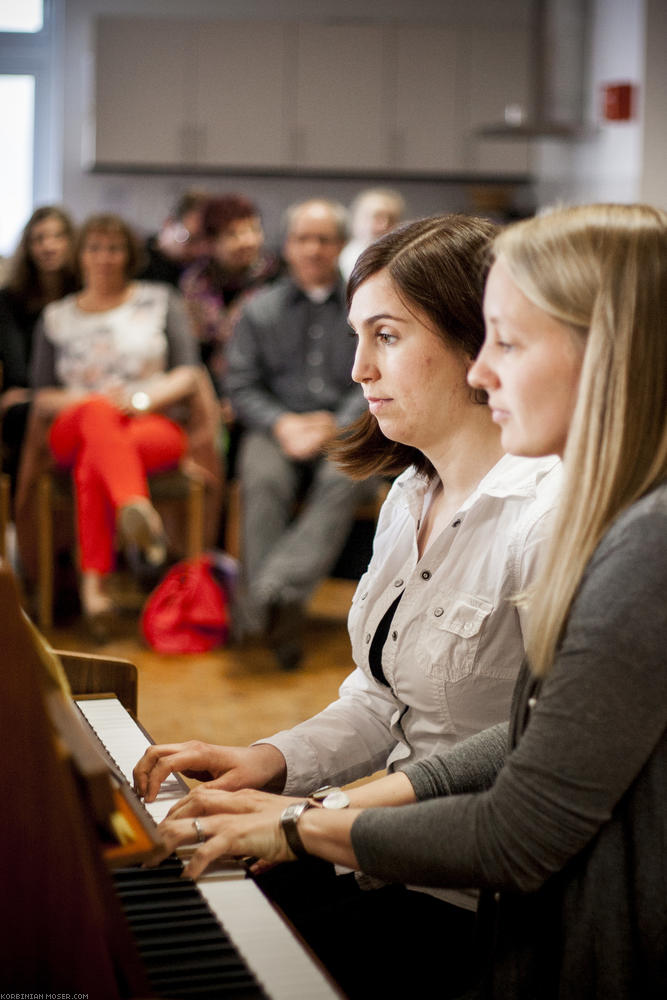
227 208
24 280
109 224
437 266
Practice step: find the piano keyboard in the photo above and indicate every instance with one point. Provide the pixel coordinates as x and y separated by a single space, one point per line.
272 952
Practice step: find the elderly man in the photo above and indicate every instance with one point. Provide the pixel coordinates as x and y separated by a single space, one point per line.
289 381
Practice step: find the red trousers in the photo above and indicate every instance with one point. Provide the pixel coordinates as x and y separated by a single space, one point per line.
111 456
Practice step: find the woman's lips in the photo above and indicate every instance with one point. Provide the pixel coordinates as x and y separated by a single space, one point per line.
376 403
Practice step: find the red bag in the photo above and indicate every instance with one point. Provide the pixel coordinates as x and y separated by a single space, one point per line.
187 611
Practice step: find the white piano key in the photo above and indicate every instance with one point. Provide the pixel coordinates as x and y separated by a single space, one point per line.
277 958
275 955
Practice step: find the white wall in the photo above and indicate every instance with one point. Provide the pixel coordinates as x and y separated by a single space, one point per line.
607 164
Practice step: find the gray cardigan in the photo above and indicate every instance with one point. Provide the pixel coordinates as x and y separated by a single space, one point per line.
569 837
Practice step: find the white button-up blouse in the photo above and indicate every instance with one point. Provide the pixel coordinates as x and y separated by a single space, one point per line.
455 644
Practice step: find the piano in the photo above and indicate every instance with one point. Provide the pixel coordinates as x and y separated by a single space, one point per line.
80 912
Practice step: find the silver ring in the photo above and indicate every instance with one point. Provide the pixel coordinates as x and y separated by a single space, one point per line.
199 831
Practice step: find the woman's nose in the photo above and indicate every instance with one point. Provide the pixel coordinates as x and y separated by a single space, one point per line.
361 369
480 375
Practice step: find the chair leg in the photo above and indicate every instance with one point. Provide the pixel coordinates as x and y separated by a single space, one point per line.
45 552
195 503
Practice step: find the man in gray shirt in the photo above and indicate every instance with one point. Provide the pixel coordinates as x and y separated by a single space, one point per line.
289 382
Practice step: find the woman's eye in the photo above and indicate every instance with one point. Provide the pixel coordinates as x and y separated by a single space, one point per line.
385 336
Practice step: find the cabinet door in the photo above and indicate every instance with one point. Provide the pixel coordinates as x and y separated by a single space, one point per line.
498 78
241 94
143 94
425 65
341 114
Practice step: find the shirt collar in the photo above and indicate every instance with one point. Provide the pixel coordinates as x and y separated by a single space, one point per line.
510 476
337 293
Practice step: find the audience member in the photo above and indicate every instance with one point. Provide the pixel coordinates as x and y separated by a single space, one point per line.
373 213
216 286
436 639
289 383
41 271
179 241
110 362
560 817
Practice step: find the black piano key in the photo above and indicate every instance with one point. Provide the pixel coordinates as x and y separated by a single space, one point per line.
186 953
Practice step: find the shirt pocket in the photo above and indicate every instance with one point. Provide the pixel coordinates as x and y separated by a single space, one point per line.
452 634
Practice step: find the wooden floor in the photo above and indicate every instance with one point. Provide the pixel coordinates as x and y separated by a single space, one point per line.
232 696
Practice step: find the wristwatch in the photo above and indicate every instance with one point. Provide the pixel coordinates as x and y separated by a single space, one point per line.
327 797
140 401
288 821
330 797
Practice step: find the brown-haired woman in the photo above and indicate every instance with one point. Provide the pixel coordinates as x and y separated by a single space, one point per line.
436 639
109 361
215 286
42 270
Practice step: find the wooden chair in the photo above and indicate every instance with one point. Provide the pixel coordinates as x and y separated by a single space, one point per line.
55 499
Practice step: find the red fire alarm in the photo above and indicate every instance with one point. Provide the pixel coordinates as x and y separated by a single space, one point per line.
618 102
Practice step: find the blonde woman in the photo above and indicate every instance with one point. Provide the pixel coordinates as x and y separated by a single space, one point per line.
563 824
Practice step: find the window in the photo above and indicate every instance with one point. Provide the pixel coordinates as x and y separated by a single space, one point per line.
28 114
21 15
17 116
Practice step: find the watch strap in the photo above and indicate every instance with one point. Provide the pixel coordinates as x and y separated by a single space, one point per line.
289 819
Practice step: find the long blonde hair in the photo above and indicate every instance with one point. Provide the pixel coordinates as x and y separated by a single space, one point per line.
602 269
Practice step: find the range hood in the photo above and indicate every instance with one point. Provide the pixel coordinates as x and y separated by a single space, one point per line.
556 78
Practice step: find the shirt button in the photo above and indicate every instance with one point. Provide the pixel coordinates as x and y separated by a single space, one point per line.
315 358
438 612
316 385
394 635
316 332
456 523
532 702
368 637
426 575
496 897
398 583
364 596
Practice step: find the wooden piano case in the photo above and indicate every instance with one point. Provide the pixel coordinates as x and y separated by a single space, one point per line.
62 929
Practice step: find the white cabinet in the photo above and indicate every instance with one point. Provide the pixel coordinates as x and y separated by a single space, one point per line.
497 78
425 73
305 95
340 104
240 94
142 92
173 93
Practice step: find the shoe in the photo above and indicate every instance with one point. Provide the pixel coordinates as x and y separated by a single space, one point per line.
141 530
284 634
99 626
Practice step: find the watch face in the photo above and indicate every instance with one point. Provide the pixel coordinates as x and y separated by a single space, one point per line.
337 799
141 400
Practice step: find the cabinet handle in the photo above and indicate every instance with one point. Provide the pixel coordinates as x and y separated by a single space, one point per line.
187 142
201 137
397 147
298 144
